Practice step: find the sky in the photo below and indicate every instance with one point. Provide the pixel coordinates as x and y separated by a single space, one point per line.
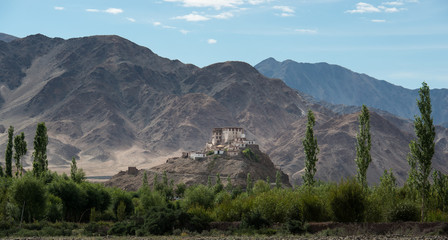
404 42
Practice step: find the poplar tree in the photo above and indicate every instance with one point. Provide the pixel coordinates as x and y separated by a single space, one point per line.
20 151
311 150
8 154
363 145
422 149
40 162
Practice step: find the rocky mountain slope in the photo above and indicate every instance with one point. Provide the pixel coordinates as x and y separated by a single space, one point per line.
190 172
113 104
338 85
6 37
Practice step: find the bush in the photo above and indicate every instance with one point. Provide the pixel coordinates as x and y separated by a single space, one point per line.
404 211
314 209
123 228
54 210
30 193
159 221
119 196
347 201
199 195
276 204
254 219
199 219
296 221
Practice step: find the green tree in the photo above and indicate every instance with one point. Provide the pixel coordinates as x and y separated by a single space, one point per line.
422 149
1 171
77 175
20 151
249 183
363 144
218 185
40 162
30 195
278 180
145 179
311 150
8 154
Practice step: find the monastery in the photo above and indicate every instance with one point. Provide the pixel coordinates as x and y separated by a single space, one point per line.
225 141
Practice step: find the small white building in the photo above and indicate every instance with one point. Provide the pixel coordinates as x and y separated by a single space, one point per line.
194 155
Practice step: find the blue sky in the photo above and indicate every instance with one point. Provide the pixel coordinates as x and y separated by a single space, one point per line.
403 42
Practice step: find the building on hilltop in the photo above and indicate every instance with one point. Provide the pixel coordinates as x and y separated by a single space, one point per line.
225 141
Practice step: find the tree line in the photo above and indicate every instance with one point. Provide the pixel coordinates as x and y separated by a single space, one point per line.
45 203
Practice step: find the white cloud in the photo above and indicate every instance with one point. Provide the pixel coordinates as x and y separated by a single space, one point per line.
193 17
378 20
183 31
92 10
168 27
156 23
306 31
217 4
364 8
114 10
395 3
391 10
224 15
212 41
286 11
256 2
59 8
130 19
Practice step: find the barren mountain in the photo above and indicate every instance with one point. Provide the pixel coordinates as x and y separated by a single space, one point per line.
113 104
336 138
338 85
6 37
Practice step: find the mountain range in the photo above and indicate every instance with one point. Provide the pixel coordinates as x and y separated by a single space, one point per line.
337 85
112 104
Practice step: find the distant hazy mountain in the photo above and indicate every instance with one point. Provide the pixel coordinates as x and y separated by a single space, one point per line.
6 37
338 85
114 104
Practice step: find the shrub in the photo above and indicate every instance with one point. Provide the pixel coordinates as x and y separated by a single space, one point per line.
54 210
199 219
261 186
119 196
347 201
314 209
404 211
159 221
247 153
30 194
275 205
254 219
296 221
199 195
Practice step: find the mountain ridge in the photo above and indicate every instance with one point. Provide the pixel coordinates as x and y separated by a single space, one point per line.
112 104
338 85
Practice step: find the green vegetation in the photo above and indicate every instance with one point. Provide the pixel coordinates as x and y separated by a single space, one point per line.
44 203
311 150
20 151
8 154
250 155
363 145
40 162
422 149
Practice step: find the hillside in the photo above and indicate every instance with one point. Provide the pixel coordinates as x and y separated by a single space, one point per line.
6 37
338 85
112 104
190 172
